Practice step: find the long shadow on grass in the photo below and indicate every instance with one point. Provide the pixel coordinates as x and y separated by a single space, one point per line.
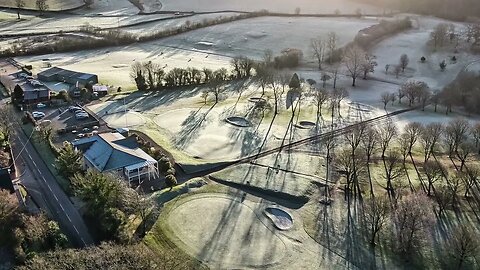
192 126
218 246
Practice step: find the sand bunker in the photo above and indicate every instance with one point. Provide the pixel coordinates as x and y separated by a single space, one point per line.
280 218
232 236
257 99
306 125
238 121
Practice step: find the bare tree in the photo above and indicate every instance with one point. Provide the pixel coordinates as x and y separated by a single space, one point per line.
393 171
354 138
319 48
334 70
369 144
344 164
354 58
434 172
404 61
332 42
325 77
401 94
413 131
321 97
338 95
463 152
42 5
19 4
397 71
414 90
368 65
386 133
443 196
462 247
429 138
439 35
386 98
377 212
456 131
412 221
470 179
476 136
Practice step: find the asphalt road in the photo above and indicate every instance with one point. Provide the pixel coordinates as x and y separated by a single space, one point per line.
60 207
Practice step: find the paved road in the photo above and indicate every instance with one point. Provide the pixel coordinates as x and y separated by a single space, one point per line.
57 201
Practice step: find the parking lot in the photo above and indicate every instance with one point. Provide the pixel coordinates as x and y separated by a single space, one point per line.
66 126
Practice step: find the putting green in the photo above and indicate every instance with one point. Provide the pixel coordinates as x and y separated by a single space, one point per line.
225 233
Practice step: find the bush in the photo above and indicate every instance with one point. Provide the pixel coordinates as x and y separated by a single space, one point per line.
170 181
289 58
370 35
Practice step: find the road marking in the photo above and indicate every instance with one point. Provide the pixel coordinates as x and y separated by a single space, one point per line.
37 169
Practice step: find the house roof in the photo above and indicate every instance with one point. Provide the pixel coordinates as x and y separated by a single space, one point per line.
111 151
56 71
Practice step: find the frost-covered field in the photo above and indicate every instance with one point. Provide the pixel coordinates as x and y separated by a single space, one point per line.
53 4
285 6
253 36
414 44
210 47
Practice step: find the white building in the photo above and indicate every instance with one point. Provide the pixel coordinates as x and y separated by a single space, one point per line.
112 152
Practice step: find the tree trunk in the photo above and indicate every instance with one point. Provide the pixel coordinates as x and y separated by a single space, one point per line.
18 13
354 81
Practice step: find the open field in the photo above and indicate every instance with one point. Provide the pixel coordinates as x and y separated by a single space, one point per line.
53 4
284 6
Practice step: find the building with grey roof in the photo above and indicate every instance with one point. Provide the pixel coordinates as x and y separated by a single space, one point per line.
78 79
112 152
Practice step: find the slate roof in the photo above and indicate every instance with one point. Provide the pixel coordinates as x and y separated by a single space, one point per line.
112 151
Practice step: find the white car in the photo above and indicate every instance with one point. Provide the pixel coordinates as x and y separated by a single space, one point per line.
81 135
41 105
80 116
74 108
95 127
38 115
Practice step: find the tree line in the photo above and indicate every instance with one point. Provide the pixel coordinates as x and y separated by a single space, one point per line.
405 211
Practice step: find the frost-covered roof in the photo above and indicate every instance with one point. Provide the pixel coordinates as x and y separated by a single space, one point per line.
112 151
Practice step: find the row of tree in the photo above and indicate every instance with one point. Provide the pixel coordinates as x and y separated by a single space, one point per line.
27 234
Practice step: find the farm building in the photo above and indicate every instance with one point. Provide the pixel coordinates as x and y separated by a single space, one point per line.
112 152
78 79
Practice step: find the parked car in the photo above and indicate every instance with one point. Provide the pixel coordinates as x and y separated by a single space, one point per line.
38 115
86 129
79 111
95 127
81 135
95 132
74 132
73 108
81 116
46 122
41 105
